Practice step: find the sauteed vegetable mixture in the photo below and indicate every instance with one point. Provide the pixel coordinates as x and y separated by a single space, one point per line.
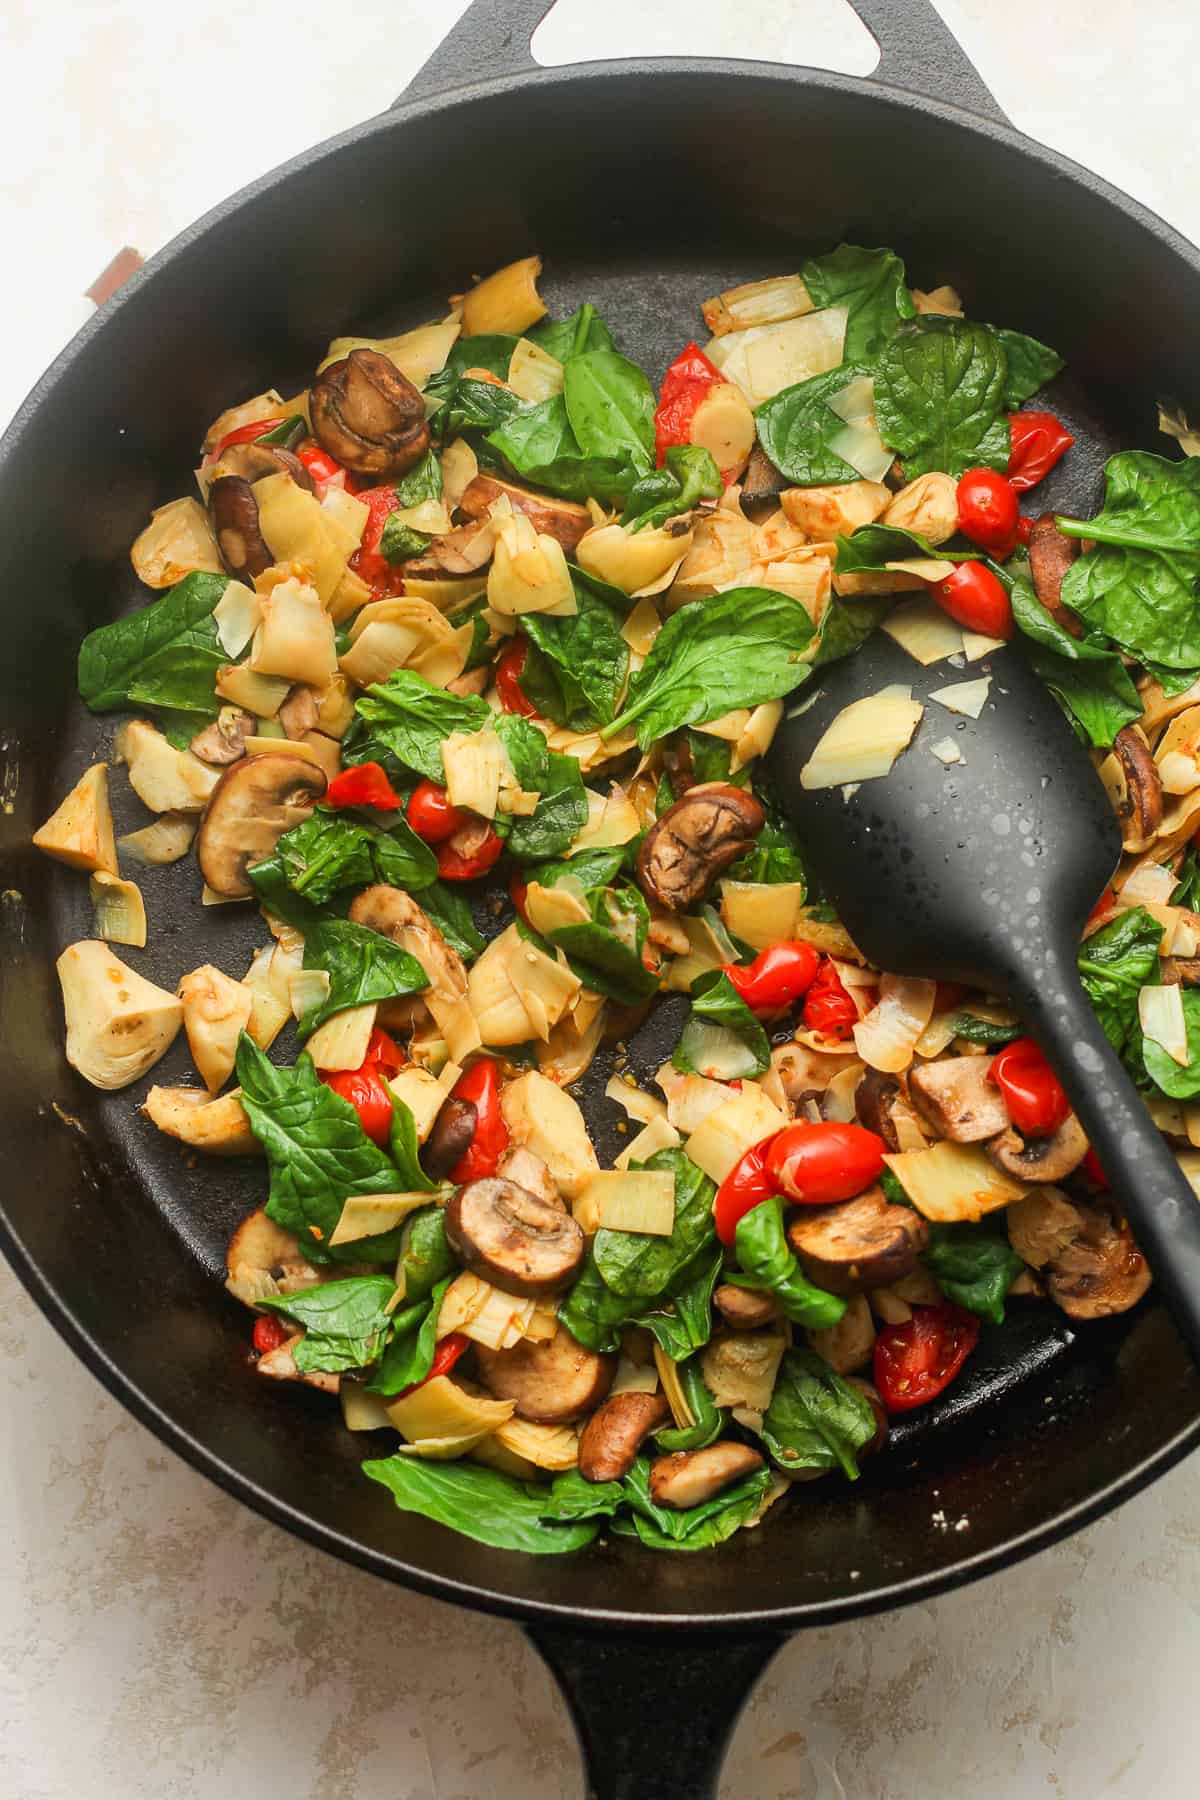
464 667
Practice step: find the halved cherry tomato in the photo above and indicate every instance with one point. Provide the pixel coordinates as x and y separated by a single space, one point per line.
383 1049
1032 1092
508 680
448 1351
1092 1167
477 850
685 384
777 976
1039 440
367 1091
987 510
481 1086
974 597
915 1361
745 1185
366 784
819 1162
828 1008
431 815
518 887
243 434
270 1331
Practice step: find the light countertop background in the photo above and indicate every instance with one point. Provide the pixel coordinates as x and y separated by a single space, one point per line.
157 1641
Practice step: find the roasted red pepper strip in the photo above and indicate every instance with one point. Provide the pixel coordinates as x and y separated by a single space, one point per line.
448 1351
1032 1093
509 691
244 434
1104 909
455 864
828 1008
745 1185
431 815
270 1332
685 384
777 977
385 580
915 1361
1039 440
518 887
366 784
820 1162
481 1086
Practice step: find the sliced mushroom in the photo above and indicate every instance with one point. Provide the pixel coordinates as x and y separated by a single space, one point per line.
224 741
234 512
218 1127
465 549
1182 971
1040 1159
685 851
1101 1271
250 808
1051 553
298 714
530 1172
392 912
262 1259
564 520
846 1346
744 1308
692 1476
369 415
552 1383
508 1236
614 1434
280 1365
450 1138
1140 806
873 1098
803 1072
250 462
959 1098
866 1242
762 483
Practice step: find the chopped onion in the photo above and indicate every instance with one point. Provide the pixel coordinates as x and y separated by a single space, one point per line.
946 750
1160 1014
863 741
859 444
924 630
966 697
887 1037
952 1183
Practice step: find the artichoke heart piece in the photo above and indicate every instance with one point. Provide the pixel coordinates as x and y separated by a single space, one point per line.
118 1023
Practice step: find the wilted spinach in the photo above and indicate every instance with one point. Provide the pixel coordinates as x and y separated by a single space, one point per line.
766 1262
871 284
940 395
816 1420
165 654
362 966
1090 682
742 1050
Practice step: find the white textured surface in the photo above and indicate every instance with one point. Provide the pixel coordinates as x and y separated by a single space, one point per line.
157 1641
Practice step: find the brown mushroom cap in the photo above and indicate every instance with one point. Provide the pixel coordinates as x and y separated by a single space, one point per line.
1040 1159
224 741
369 415
252 461
762 481
234 512
450 1138
1141 808
508 1236
690 1477
862 1243
873 1099
614 1434
553 1383
250 808
684 852
959 1099
744 1308
564 520
1101 1271
1051 553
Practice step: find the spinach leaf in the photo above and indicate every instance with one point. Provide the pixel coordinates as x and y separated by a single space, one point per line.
564 338
166 654
571 1497
776 855
797 427
871 284
490 350
1187 888
345 1322
362 966
709 1419
479 1503
974 1265
474 405
400 542
1150 503
318 1155
1115 963
610 406
451 913
1178 1081
409 1357
766 1262
640 1267
325 852
740 648
593 869
984 1031
426 1258
411 719
405 1151
587 656
1030 366
591 1312
816 1420
604 963
845 624
872 547
940 395
562 812
423 481
689 474
688 1325
1091 683
700 1527
739 1051
539 445
401 858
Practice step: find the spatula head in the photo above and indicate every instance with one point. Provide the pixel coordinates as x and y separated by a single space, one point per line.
968 872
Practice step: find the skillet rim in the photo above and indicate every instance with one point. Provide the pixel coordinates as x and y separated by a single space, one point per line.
58 1309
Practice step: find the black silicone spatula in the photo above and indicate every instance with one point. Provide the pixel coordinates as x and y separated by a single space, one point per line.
984 872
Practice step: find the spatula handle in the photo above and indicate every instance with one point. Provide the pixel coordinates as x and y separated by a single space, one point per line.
1147 1181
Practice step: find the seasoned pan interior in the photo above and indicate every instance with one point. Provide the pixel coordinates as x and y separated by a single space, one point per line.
645 193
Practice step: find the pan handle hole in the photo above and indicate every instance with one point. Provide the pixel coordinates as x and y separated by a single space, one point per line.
820 34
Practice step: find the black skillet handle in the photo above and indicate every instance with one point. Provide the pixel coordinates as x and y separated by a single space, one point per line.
917 51
653 1714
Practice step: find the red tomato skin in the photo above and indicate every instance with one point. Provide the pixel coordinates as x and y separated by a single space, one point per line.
517 890
1024 529
690 377
448 1351
321 466
481 1086
453 866
383 1049
987 510
777 977
270 1332
1092 1167
818 1163
367 1092
365 784
508 684
431 815
975 598
916 1361
828 1008
1032 1092
1039 440
1104 909
745 1185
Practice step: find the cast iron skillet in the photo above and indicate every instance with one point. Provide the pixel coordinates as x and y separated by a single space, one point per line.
646 186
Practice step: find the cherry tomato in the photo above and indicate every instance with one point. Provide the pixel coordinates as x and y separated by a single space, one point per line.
1024 529
974 597
477 849
1104 909
1091 1164
431 815
367 1091
1039 440
447 1353
366 784
915 1361
777 976
481 1086
383 1049
1031 1089
518 887
987 510
508 683
745 1185
828 1008
270 1331
686 383
821 1162
243 434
